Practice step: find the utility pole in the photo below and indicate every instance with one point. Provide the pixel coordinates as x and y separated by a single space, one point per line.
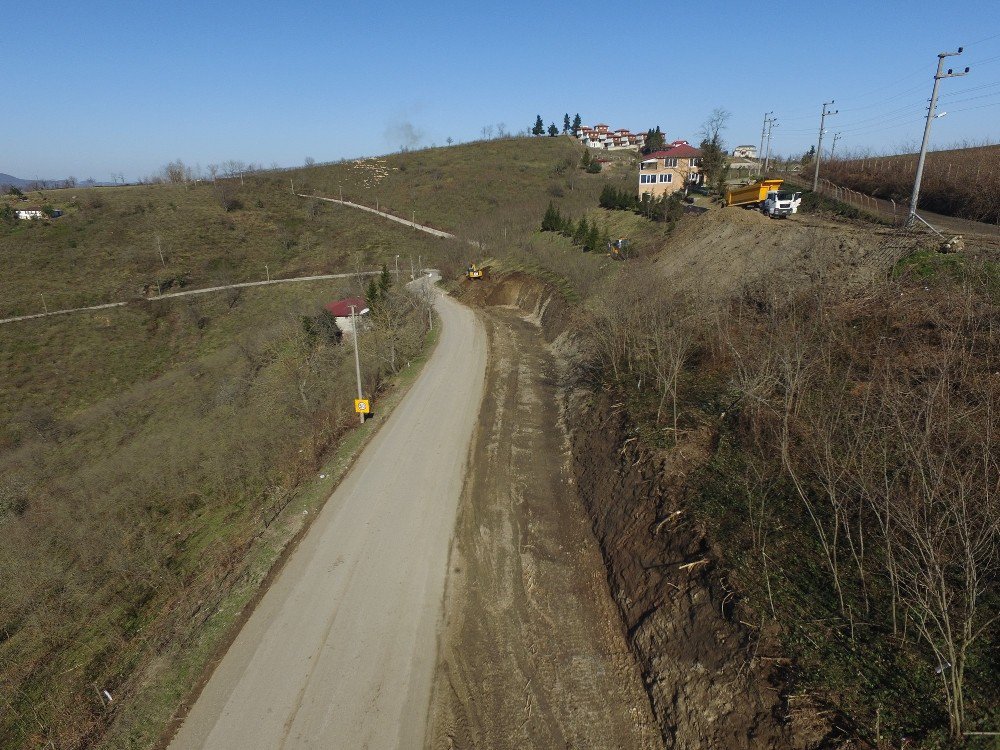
413 275
927 129
819 146
341 193
44 306
771 123
397 270
761 149
160 251
357 358
267 272
836 137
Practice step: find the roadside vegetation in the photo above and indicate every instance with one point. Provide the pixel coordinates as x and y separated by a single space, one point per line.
852 493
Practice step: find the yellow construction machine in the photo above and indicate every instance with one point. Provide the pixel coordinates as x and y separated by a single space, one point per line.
474 272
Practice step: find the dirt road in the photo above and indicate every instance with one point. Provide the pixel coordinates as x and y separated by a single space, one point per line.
532 653
340 653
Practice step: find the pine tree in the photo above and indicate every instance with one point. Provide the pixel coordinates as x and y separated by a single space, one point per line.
566 122
585 159
384 281
553 130
609 198
577 122
593 238
539 128
582 230
371 297
552 221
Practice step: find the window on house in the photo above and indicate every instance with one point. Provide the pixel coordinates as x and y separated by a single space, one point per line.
666 178
670 162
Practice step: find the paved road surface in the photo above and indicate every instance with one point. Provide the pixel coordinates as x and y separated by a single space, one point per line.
341 651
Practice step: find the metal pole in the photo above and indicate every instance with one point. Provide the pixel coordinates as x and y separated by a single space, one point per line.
44 306
819 145
357 358
267 272
761 149
927 130
341 193
412 274
397 270
833 146
767 159
420 270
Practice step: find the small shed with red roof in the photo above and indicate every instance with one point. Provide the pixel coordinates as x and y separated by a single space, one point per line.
341 311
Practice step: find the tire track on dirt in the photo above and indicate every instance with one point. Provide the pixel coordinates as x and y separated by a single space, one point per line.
532 655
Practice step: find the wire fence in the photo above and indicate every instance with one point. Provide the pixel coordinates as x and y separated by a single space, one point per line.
892 212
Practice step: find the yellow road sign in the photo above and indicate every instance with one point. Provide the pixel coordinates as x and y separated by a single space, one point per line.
362 406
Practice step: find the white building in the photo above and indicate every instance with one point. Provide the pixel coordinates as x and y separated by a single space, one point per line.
745 152
601 136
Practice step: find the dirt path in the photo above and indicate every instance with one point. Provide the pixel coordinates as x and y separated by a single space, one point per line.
532 655
393 217
188 293
340 652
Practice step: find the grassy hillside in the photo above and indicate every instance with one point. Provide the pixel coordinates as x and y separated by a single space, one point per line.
152 456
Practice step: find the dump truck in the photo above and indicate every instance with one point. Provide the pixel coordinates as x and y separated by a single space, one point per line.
765 195
474 272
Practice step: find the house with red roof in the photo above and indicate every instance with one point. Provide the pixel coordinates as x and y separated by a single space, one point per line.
341 311
676 167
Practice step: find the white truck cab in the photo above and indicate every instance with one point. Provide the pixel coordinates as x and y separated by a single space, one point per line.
778 204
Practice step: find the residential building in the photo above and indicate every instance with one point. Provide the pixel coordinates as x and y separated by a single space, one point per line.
341 311
30 212
601 136
675 168
745 152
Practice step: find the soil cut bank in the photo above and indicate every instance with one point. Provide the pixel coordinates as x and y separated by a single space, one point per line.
710 679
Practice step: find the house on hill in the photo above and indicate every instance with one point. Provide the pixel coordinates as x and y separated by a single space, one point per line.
745 152
675 168
30 212
341 311
601 136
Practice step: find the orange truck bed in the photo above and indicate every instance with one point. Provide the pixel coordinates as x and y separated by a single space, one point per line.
756 193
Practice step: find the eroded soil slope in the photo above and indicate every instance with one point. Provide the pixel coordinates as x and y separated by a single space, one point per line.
533 654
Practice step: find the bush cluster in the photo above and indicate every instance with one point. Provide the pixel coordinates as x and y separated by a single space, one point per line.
665 208
584 234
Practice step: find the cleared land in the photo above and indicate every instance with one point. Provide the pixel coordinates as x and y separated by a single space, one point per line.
532 652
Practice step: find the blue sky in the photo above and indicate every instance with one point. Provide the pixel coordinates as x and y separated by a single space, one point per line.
100 87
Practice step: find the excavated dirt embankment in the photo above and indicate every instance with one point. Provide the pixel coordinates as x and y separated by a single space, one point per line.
712 679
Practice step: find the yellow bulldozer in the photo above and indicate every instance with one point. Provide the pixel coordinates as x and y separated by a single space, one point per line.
474 272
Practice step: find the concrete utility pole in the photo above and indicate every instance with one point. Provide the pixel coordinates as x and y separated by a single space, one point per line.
927 130
771 123
357 358
836 137
397 270
819 145
760 151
